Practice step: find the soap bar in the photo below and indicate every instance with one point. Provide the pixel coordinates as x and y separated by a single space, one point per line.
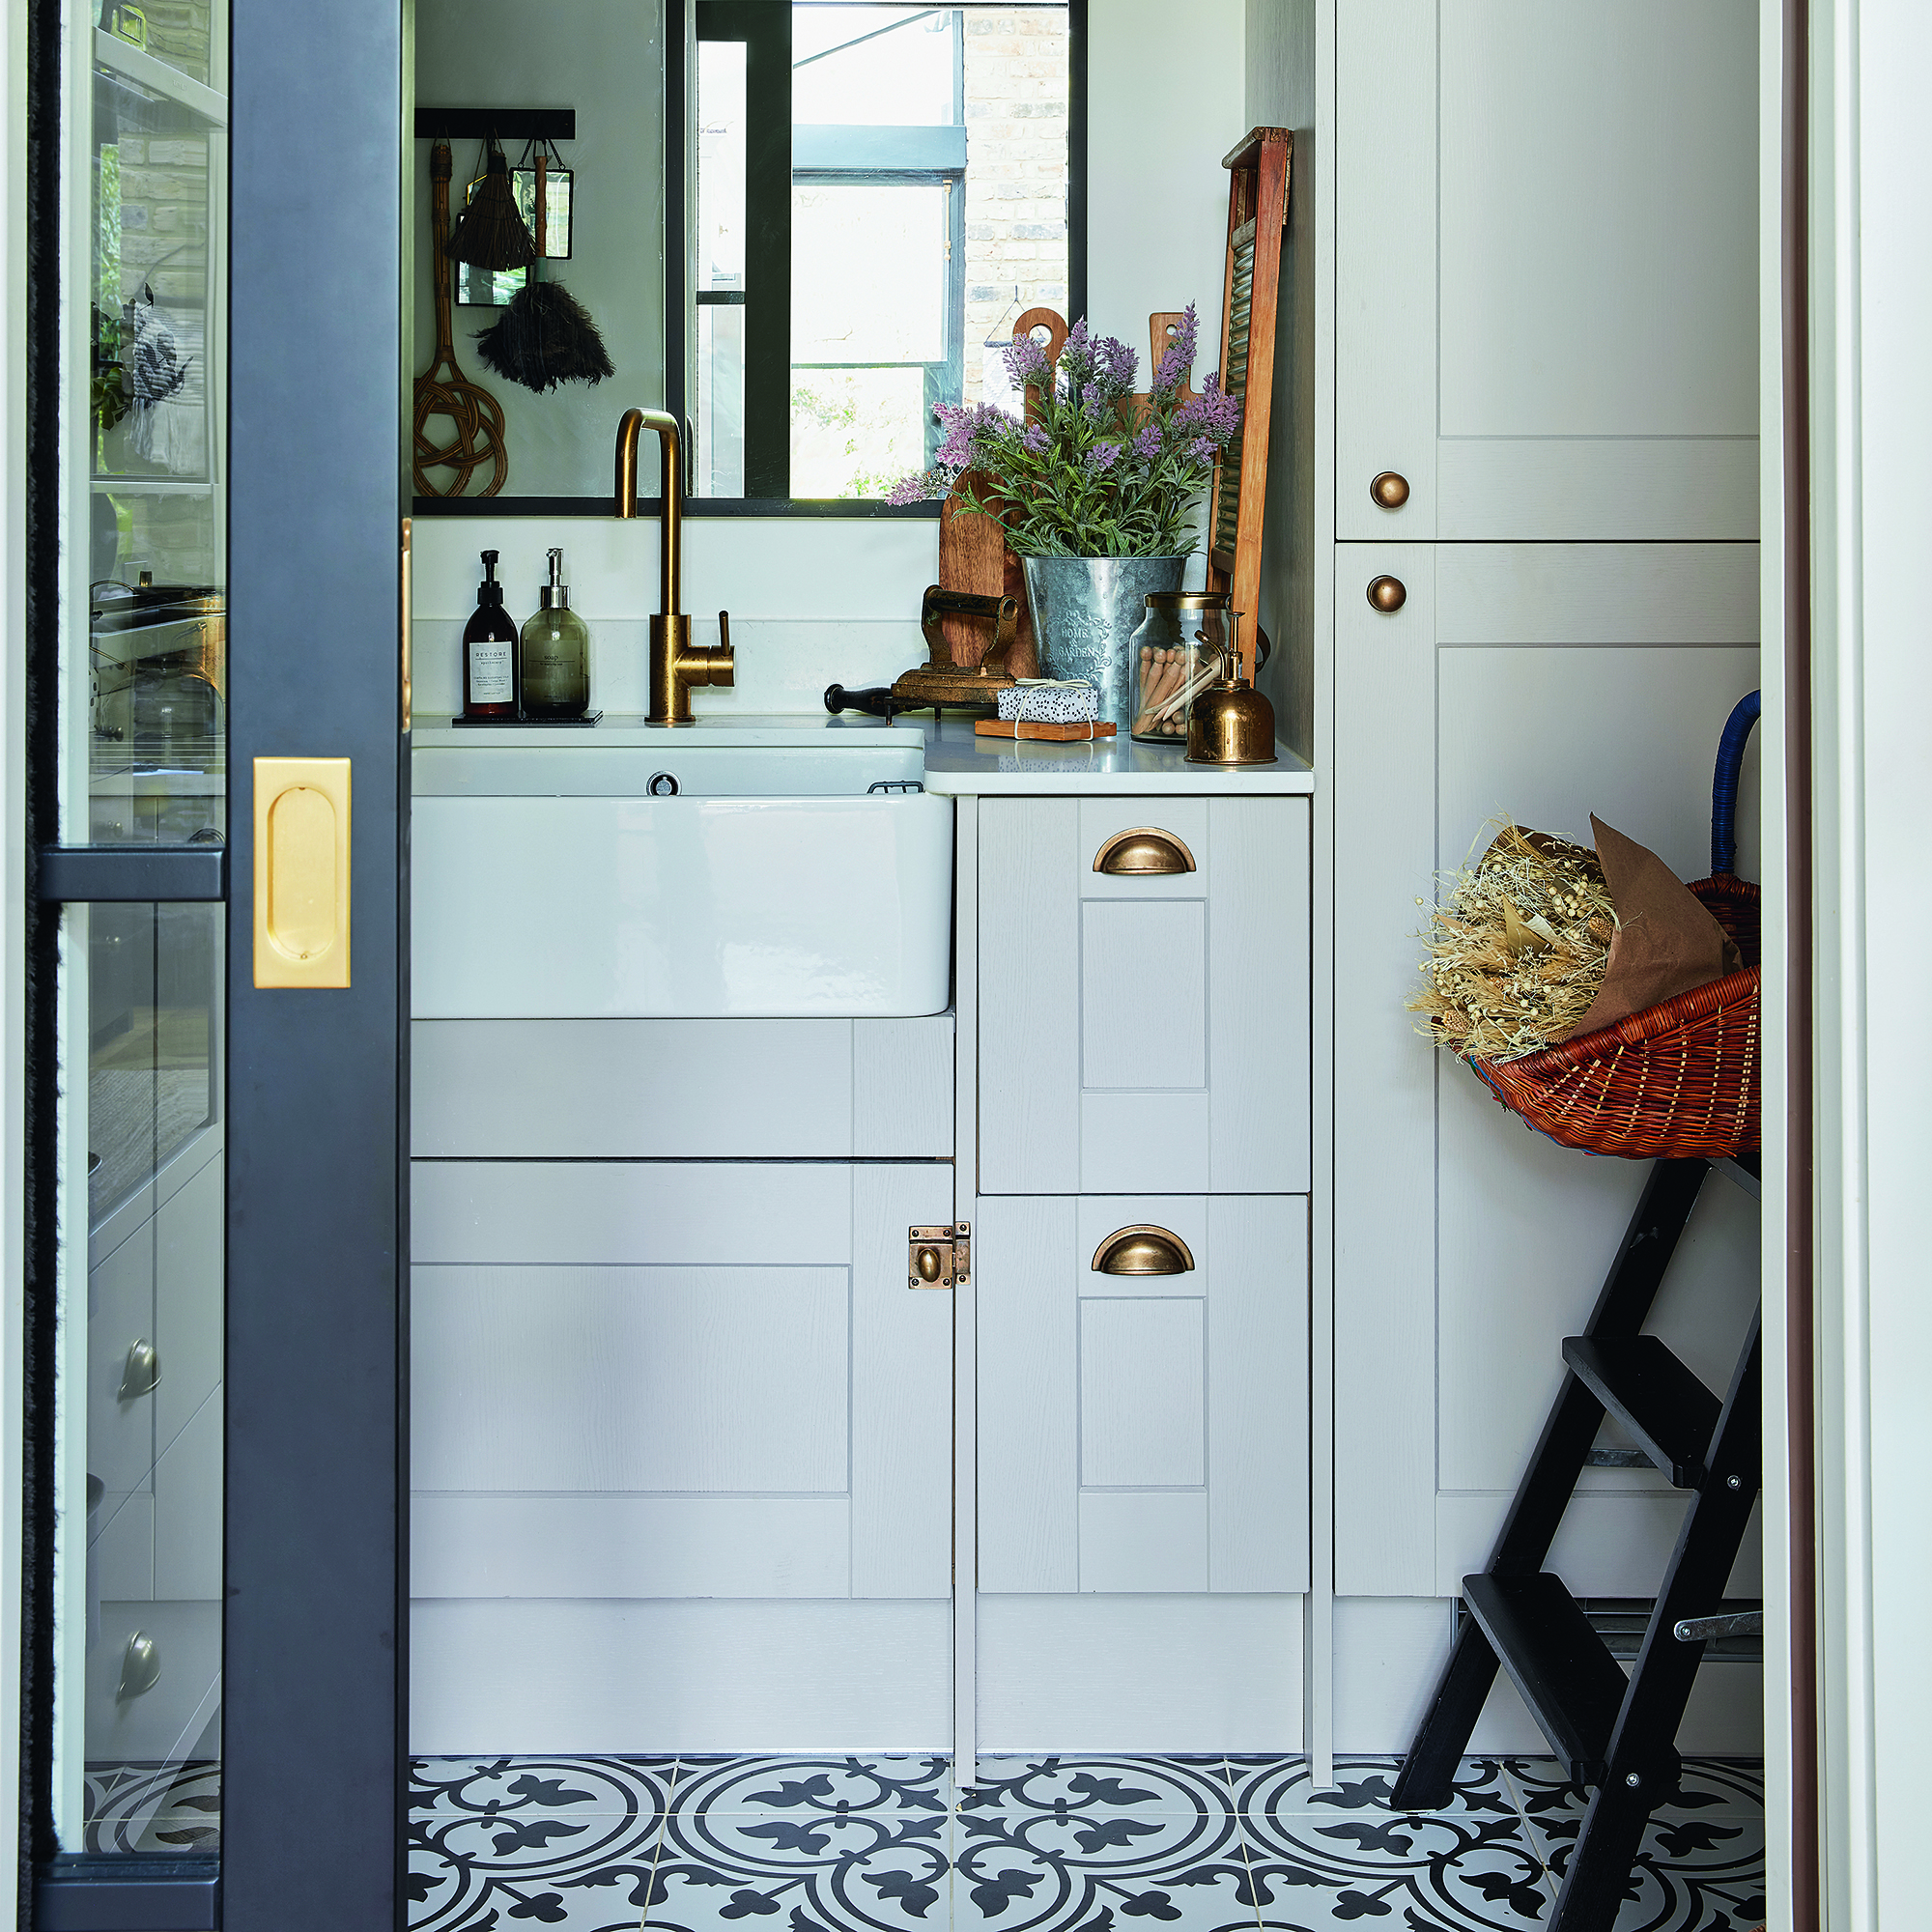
1050 701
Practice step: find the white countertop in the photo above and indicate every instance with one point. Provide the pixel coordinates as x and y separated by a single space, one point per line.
958 762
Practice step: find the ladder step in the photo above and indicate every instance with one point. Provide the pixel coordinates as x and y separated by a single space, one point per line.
1669 1411
1571 1684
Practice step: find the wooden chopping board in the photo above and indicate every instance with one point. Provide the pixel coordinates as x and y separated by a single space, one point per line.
972 552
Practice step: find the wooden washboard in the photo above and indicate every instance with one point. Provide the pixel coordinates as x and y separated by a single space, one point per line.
1257 222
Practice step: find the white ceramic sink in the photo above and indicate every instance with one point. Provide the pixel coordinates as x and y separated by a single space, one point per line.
550 882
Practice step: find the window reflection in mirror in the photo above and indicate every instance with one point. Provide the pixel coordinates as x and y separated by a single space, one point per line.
878 268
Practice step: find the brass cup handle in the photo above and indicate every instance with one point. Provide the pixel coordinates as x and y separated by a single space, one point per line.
1144 852
1387 593
1390 490
1143 1250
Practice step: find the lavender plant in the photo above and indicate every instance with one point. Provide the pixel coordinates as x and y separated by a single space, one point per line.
1086 473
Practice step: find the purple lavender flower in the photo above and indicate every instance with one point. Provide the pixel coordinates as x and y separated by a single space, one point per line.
922 486
970 428
1102 457
1213 412
1147 445
1202 449
1179 356
1076 355
1037 439
1117 364
1026 362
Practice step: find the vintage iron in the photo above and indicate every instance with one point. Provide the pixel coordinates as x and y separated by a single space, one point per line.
939 684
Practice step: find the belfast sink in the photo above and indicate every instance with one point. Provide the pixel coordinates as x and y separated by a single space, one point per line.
690 875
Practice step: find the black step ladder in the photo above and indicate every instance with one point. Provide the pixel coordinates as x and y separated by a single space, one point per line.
1615 1734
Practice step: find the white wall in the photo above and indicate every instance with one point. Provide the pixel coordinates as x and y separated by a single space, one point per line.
1871 411
834 599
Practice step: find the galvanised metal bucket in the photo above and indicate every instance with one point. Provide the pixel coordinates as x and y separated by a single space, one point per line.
1085 610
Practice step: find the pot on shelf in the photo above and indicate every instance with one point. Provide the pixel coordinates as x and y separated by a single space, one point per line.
1085 611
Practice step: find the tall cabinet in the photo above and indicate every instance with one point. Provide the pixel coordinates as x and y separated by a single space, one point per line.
1525 279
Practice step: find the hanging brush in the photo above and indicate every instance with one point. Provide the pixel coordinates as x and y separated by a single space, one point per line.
546 335
490 233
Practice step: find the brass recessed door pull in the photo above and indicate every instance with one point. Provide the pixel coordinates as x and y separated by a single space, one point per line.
301 872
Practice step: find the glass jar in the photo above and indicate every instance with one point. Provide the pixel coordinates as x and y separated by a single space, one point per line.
1186 643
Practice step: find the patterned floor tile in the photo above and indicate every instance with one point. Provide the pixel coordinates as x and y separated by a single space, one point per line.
1048 1844
1267 1785
565 1842
1458 1872
1043 1844
165 1810
883 1868
1702 1865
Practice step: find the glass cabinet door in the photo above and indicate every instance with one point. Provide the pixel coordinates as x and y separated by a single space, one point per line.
142 748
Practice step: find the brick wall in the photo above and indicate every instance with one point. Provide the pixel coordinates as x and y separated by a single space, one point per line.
1016 171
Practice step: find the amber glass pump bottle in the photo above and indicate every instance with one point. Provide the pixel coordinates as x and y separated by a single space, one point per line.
490 652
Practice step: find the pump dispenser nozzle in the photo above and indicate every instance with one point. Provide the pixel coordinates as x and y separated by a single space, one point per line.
490 591
555 594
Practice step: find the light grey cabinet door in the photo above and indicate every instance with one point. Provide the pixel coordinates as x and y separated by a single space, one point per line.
1546 269
1143 1435
1552 681
1144 1033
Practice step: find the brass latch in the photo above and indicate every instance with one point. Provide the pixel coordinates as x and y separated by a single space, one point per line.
939 1257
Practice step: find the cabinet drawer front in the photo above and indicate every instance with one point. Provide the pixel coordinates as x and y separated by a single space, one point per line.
1143 1032
1143 1432
678 1378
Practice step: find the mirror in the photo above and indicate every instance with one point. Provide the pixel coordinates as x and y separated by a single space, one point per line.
867 197
604 59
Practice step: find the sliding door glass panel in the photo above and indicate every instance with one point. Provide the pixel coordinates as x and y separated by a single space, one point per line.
140 670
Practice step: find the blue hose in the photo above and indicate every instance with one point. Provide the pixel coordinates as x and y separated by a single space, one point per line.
1724 785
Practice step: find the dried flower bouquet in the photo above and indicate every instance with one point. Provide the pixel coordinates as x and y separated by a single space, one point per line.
1519 947
1086 473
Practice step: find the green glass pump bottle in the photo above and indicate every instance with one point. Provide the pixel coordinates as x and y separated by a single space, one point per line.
555 654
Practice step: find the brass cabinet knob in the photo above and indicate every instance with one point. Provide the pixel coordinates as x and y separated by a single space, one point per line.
1387 593
1143 852
1143 1251
1390 489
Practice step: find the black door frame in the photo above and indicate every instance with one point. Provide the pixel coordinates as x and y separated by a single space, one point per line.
315 1618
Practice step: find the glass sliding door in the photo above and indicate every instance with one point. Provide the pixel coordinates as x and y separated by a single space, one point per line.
216 1195
140 688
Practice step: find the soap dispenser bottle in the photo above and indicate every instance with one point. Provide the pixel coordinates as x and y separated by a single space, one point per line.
555 652
490 652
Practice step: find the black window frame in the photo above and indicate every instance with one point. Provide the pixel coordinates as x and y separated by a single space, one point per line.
765 26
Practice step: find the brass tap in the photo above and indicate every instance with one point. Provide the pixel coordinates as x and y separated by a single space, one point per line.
676 663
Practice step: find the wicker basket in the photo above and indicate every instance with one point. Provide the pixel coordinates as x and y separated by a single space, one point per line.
1679 1080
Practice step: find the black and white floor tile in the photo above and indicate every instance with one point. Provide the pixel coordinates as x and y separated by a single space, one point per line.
1043 1844
165 1810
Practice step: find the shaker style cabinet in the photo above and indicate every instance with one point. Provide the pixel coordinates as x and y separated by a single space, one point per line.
1144 1432
1144 1029
1142 1247
1545 603
1545 270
